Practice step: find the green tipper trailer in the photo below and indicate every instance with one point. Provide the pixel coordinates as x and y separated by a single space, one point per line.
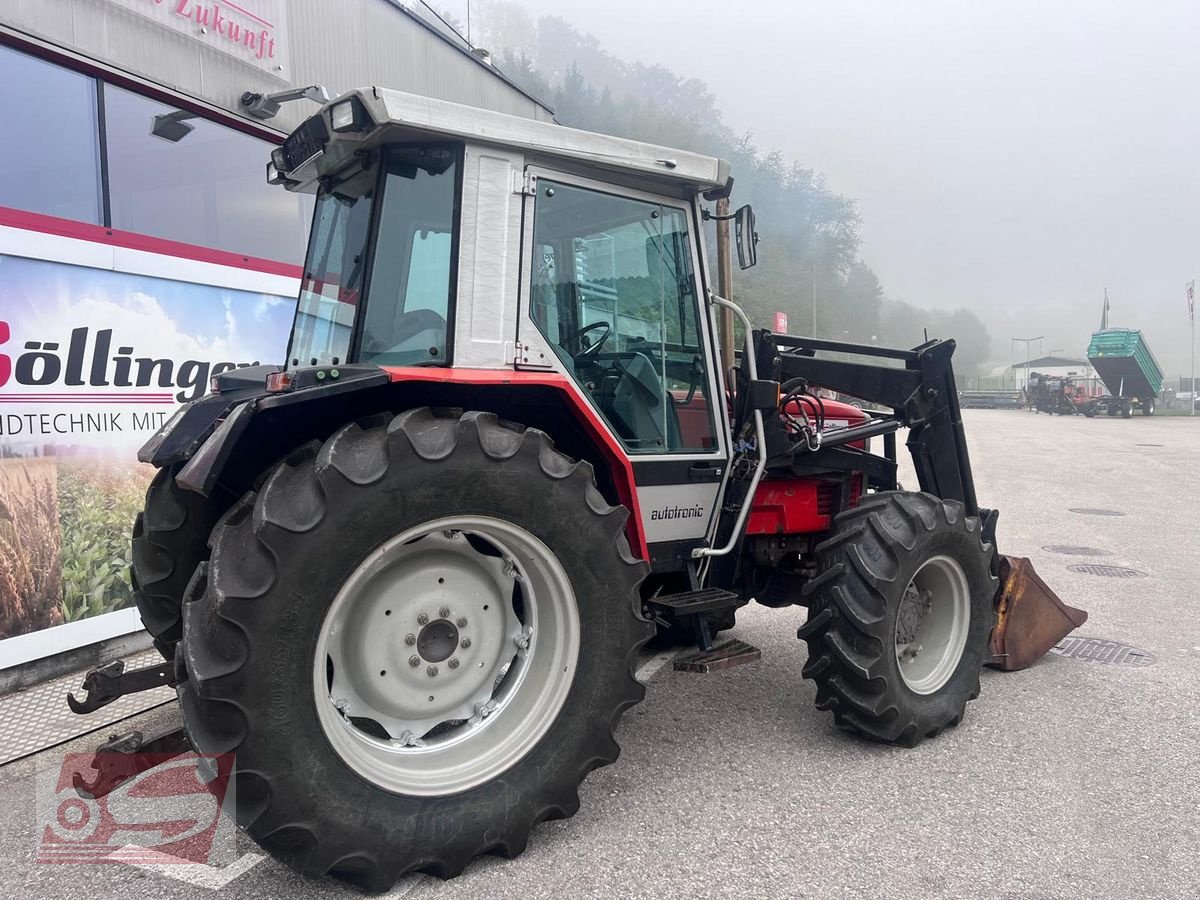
1122 359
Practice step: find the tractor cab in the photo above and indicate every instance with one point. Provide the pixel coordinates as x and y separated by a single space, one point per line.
497 243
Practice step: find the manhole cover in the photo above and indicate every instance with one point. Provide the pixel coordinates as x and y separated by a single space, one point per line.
1108 571
1098 650
1088 511
1073 550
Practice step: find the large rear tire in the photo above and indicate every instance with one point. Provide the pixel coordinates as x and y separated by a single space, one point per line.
899 617
170 538
328 644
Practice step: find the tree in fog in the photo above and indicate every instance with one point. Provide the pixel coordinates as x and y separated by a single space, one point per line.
805 227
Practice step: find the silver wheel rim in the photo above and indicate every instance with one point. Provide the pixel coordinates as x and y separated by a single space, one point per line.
446 655
932 625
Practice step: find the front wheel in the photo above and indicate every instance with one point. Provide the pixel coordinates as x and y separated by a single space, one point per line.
417 642
899 616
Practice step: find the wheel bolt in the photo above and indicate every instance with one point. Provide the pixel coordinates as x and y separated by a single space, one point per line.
453 663
410 639
431 671
466 642
462 623
444 612
422 619
414 661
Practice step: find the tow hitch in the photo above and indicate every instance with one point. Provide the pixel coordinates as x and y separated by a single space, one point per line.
104 685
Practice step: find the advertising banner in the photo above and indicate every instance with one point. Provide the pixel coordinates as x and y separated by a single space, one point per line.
92 362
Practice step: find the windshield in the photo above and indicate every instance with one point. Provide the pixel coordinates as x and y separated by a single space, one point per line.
334 270
403 273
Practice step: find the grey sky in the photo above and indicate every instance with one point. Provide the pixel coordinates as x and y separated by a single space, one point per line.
1014 157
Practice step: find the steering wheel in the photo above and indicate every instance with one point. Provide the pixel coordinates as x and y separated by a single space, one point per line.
591 348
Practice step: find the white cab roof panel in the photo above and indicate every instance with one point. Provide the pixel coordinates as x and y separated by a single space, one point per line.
440 118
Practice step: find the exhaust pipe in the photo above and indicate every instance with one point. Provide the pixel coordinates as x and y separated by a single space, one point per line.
1030 618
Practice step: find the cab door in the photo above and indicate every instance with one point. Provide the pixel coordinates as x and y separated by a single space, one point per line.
613 295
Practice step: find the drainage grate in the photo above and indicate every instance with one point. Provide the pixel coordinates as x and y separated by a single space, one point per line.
1148 445
1108 571
1088 511
1098 650
1074 550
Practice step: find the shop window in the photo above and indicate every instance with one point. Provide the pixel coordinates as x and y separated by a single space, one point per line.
49 155
177 176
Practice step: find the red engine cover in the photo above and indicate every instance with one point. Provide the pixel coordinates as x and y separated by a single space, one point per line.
837 414
805 505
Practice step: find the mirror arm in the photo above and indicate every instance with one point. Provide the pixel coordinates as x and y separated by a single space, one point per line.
708 216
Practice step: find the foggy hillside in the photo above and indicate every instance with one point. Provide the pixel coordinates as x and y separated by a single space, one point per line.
1005 161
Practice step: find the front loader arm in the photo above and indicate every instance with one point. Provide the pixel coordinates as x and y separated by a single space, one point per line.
922 396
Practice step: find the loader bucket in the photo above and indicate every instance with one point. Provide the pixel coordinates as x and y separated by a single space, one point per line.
1030 619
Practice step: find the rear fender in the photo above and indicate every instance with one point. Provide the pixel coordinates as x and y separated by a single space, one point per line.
234 441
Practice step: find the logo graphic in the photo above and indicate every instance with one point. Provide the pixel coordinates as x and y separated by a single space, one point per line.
5 362
170 813
676 512
87 363
252 30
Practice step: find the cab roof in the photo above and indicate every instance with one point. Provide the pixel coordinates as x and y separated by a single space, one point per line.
399 116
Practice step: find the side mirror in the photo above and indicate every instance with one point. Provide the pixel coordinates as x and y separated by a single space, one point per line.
746 236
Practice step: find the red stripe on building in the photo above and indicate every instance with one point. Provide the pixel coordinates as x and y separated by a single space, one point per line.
130 240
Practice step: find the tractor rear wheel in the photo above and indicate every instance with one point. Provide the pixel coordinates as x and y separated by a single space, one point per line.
899 616
170 538
417 641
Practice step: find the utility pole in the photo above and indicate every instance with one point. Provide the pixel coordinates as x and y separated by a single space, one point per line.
1028 342
725 282
1191 295
814 325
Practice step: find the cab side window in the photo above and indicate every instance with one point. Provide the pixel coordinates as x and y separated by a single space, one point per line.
614 292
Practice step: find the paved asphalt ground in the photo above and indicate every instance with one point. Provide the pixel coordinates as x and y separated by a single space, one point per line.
1072 779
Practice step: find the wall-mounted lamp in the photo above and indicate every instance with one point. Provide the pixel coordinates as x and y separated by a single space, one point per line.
171 126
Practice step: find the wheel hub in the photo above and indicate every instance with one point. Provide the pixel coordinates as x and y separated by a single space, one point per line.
437 641
932 624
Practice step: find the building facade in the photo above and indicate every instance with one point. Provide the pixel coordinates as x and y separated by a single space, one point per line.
142 251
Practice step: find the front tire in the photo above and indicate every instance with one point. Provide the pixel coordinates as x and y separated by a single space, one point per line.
339 769
899 617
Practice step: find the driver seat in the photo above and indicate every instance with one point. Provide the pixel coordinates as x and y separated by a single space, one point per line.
639 409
